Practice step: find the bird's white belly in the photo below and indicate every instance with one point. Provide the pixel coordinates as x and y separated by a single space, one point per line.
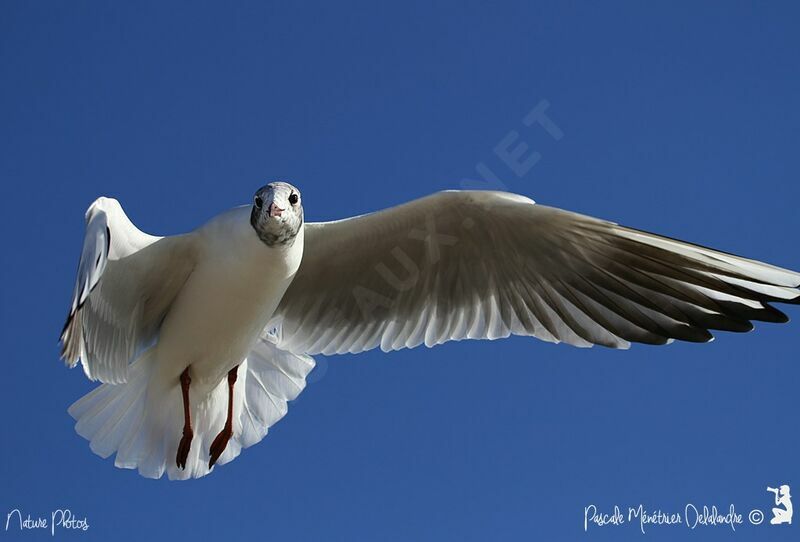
218 316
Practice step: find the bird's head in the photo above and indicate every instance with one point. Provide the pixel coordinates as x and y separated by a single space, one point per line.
277 213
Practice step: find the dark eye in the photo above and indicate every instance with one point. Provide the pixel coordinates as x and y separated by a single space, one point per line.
293 199
259 202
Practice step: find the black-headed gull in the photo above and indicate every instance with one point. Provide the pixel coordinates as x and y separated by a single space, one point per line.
201 339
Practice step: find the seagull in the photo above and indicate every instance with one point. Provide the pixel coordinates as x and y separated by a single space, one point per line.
201 339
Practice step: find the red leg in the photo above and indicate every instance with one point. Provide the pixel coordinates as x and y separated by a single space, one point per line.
219 444
188 434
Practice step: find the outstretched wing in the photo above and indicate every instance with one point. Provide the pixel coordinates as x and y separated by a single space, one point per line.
484 265
126 282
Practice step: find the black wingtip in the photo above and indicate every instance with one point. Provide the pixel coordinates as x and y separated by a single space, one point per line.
66 325
767 313
777 317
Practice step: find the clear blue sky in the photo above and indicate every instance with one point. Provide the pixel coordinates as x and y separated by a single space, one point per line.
681 119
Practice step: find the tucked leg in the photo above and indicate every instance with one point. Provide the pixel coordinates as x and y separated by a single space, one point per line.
188 434
219 444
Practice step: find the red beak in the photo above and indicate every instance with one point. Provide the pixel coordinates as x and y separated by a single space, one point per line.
274 210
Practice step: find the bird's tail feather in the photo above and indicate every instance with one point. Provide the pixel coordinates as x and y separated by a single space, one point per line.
142 422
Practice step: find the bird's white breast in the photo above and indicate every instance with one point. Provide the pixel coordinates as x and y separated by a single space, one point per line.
227 300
